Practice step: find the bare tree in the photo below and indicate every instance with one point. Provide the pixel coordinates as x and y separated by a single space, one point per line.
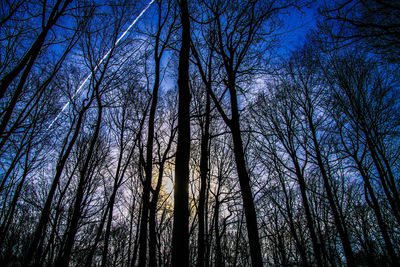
180 235
365 115
238 27
280 131
165 20
373 24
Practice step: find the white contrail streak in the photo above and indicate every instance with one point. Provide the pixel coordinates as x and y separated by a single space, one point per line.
101 61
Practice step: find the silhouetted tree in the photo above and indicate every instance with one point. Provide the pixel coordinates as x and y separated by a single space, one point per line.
180 235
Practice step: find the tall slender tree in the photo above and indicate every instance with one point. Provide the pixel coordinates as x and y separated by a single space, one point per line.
180 235
159 49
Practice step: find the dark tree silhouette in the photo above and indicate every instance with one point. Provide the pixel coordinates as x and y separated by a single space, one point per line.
180 235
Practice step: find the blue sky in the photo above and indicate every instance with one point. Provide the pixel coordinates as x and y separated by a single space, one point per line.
296 26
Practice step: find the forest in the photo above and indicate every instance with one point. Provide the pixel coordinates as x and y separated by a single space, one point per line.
199 133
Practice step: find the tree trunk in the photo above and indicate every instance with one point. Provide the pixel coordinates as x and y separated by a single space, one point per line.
180 234
153 205
108 230
136 245
203 186
152 219
307 210
218 250
244 179
149 164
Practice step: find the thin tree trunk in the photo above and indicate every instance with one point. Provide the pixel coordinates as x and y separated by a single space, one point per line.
153 205
136 245
132 210
238 238
149 164
203 185
108 230
307 210
152 219
218 250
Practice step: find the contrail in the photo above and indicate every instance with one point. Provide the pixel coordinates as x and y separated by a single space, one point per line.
101 61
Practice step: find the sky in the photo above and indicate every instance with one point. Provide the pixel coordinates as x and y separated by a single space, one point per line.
296 26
